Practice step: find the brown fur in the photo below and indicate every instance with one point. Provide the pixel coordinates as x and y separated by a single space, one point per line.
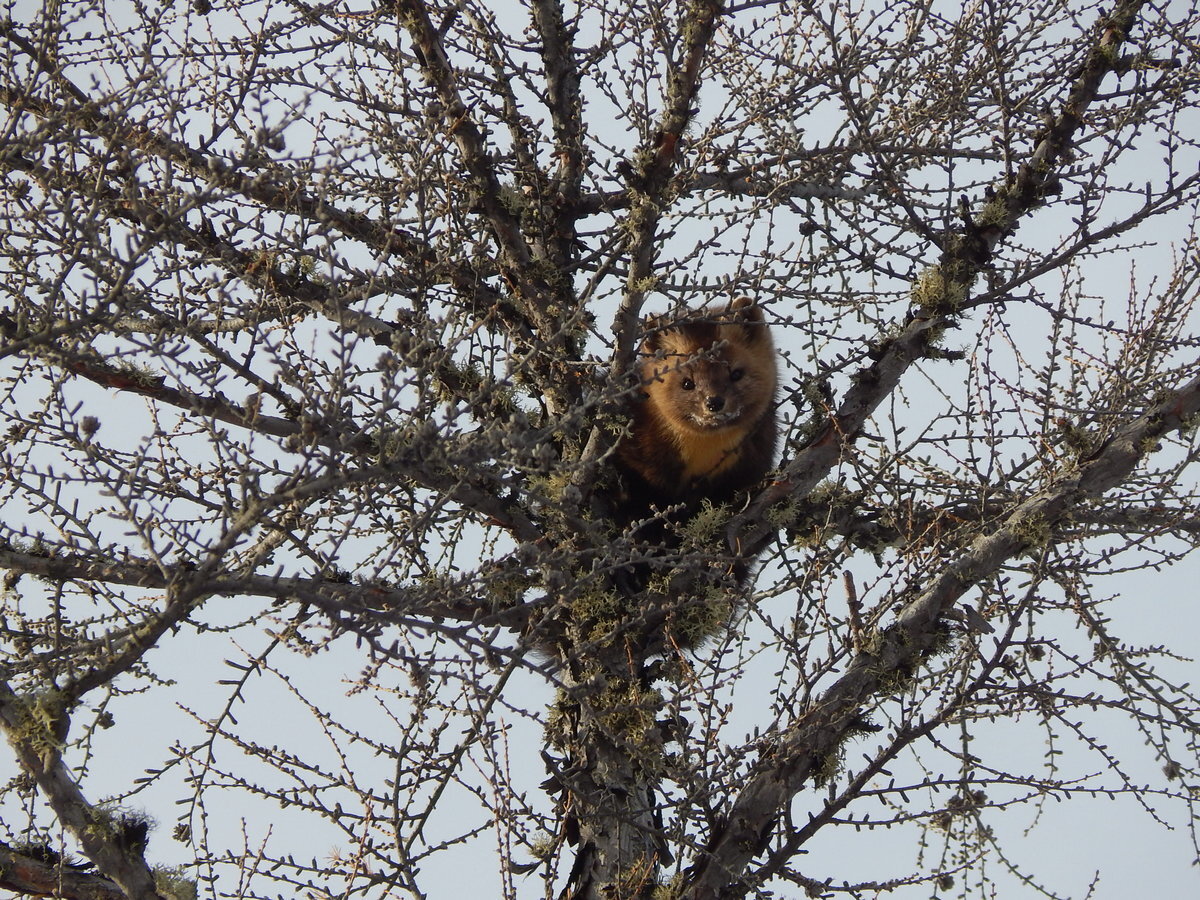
705 425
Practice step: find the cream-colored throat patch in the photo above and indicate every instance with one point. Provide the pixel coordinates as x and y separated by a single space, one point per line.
709 453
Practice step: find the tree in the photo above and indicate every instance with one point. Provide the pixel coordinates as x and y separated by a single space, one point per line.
317 329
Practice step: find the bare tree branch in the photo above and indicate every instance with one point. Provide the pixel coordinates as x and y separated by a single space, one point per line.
318 533
897 652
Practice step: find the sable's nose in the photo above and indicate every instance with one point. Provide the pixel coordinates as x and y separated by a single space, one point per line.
714 404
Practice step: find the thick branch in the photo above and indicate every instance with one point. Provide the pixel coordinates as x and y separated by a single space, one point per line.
37 877
963 257
38 746
902 647
566 108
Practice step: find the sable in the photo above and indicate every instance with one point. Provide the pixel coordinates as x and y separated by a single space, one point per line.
705 424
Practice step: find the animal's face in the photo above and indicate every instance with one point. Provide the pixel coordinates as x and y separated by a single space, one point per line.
706 376
708 390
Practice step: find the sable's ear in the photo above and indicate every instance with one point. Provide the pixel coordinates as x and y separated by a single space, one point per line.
652 330
745 312
744 309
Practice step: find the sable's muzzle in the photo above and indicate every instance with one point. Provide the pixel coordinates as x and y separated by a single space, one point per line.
719 418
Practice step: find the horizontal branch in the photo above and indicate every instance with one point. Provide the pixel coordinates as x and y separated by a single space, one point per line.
36 876
477 493
458 600
771 178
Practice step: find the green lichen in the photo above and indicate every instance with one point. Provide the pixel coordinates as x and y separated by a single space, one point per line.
623 713
1150 444
551 487
829 765
670 890
1077 439
507 590
937 293
513 199
42 716
781 515
561 716
140 375
707 524
1189 424
815 516
1033 531
628 712
644 285
693 623
173 884
542 846
471 384
126 827
603 614
894 678
994 213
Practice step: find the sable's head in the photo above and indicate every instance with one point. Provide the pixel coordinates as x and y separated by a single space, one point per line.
711 371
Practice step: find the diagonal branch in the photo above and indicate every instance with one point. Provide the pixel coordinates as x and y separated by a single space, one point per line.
469 139
266 271
270 190
654 169
536 295
36 738
649 180
947 285
901 648
283 196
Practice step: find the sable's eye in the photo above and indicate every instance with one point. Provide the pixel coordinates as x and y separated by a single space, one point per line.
736 374
687 384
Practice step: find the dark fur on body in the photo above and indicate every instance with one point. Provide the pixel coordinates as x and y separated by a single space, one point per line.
705 424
